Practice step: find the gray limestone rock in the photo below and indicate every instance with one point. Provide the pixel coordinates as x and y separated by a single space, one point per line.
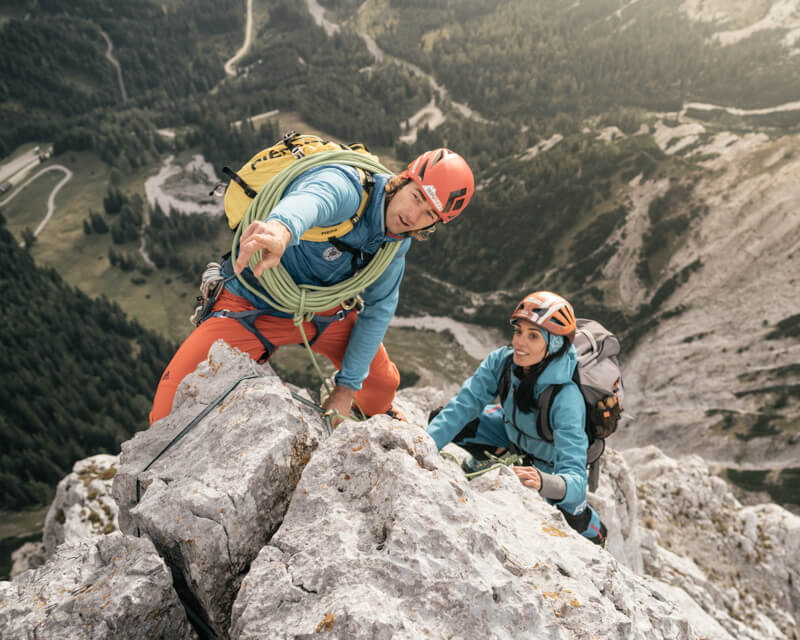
386 539
741 564
83 506
105 588
214 499
30 555
616 502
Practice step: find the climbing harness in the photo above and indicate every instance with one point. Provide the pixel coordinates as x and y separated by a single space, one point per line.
248 317
275 286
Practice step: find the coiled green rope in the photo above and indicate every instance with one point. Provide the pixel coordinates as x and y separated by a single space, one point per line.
304 300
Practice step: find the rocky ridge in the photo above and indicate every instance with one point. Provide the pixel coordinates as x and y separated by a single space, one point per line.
270 528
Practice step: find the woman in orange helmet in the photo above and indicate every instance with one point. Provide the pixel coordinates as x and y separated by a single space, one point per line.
541 354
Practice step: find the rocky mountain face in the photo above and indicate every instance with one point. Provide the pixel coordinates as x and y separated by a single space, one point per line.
264 526
83 507
717 367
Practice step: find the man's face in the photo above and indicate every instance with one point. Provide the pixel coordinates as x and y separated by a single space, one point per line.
409 211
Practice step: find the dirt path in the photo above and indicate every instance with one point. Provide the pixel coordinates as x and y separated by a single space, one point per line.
702 106
110 57
230 65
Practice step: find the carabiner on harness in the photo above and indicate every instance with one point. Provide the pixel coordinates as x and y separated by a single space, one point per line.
211 284
356 303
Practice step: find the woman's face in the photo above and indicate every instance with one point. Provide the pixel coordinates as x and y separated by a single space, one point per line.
529 345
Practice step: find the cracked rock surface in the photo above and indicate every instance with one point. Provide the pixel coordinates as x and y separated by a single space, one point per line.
213 500
112 587
82 508
740 563
386 539
83 505
272 529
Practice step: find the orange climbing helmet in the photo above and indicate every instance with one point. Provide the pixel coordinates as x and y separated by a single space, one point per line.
446 180
549 311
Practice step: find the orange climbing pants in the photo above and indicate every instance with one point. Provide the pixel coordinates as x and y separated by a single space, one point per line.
377 391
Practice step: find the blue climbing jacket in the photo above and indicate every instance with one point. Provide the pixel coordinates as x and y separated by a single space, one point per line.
325 196
565 456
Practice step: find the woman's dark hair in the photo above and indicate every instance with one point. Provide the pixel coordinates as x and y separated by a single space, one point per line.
523 397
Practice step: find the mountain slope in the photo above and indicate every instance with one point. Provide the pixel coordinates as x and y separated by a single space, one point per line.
720 365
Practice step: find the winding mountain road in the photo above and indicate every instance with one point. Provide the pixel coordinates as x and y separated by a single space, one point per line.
736 111
230 65
51 201
430 115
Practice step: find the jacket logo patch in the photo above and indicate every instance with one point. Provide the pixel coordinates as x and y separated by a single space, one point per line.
331 253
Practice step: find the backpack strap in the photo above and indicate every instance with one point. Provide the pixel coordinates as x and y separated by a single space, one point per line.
318 234
249 191
504 384
326 234
288 141
543 404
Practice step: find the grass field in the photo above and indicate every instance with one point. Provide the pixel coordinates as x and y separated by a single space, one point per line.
83 260
29 207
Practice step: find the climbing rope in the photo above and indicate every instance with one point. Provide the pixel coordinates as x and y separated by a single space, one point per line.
304 300
188 428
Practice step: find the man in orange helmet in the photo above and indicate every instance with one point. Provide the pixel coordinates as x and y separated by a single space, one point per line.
435 188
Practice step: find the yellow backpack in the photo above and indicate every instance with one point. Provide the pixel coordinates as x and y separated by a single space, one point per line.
245 184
